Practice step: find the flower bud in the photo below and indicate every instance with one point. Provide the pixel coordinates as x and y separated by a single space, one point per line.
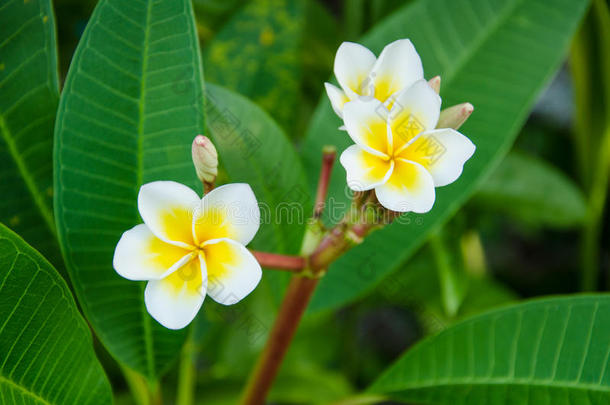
455 116
435 83
205 159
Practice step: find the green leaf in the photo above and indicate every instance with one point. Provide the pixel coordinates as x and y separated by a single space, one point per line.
590 67
132 103
30 91
254 149
533 191
545 351
46 350
590 73
498 56
257 53
451 273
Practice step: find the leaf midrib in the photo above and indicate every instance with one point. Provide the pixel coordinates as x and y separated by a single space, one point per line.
451 69
37 196
482 39
150 360
20 388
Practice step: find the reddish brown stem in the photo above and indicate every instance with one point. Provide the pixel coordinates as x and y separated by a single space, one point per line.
328 160
331 247
293 306
292 309
338 241
279 262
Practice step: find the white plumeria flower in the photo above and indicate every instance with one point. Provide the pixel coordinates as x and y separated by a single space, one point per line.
399 153
188 247
360 73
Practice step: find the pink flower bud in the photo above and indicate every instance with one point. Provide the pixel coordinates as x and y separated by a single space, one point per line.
435 83
454 117
205 159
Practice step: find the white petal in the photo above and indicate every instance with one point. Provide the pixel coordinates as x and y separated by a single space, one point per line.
140 255
233 272
229 211
409 188
414 111
175 300
337 98
397 68
364 170
167 208
353 63
366 122
442 152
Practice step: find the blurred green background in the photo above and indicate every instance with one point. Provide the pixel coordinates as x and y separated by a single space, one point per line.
536 226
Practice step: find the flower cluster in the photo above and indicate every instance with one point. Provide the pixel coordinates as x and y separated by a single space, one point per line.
405 146
392 113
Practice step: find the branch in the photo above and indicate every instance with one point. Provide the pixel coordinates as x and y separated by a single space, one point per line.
295 301
279 262
328 159
293 306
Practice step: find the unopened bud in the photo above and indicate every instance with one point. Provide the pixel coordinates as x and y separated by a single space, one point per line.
205 159
454 117
435 83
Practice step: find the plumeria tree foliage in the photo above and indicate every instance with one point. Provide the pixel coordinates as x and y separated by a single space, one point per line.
138 196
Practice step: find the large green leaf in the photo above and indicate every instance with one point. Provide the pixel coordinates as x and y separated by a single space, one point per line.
254 149
46 351
548 351
257 53
496 54
533 191
132 103
30 91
